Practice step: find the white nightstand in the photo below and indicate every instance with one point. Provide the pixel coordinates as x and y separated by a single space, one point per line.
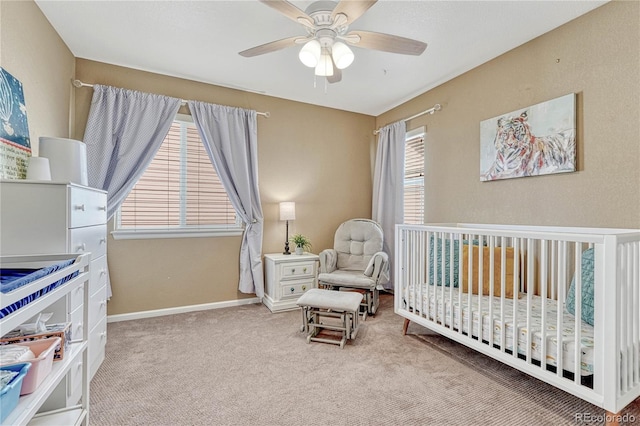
287 277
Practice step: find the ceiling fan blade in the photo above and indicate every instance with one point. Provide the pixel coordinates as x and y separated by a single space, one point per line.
386 42
353 9
290 11
270 47
337 73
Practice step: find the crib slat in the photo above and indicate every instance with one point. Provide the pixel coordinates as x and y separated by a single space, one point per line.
469 290
530 290
503 290
543 286
451 262
516 283
562 288
577 350
491 286
460 280
480 284
503 323
624 383
635 283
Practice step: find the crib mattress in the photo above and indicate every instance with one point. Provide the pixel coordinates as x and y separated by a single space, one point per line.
441 312
12 279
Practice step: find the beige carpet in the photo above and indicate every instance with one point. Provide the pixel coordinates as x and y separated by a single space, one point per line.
247 366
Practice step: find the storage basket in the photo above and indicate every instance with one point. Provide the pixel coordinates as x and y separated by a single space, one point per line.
10 394
41 365
62 331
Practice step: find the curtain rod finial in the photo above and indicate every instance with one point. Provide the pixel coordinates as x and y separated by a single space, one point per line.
76 83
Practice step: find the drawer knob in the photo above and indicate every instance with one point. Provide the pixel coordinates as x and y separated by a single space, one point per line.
103 272
293 270
304 270
79 207
292 289
102 208
82 247
304 287
103 240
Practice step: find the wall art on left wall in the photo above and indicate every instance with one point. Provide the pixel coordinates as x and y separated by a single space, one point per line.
15 145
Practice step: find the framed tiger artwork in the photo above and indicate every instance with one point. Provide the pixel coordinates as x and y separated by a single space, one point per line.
533 141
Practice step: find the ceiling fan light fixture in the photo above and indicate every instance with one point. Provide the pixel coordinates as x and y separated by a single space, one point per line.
324 67
342 55
310 53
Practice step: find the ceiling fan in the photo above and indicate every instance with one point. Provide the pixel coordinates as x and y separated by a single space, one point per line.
327 23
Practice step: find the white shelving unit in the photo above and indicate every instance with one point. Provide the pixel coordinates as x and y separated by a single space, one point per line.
27 412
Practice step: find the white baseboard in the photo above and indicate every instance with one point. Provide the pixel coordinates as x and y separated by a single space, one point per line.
181 309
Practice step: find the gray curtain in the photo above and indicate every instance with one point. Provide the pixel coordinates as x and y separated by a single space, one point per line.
230 138
124 131
388 185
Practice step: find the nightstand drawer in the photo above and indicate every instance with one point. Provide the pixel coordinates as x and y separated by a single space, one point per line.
293 270
295 288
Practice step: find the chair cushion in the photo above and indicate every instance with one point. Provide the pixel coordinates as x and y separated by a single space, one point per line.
356 241
347 278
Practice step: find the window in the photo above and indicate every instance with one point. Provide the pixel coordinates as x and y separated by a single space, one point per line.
179 194
414 177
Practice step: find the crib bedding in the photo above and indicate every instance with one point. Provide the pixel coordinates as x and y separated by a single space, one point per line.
14 278
436 294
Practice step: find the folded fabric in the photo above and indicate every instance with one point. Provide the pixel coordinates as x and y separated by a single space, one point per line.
6 376
15 353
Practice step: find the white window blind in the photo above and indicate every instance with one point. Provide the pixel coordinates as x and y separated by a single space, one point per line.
179 190
414 180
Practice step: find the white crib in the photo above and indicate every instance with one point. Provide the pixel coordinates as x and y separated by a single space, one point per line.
560 304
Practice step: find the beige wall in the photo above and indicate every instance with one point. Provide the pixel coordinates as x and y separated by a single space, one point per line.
32 51
326 171
596 56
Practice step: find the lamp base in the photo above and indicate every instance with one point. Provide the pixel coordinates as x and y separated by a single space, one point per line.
286 241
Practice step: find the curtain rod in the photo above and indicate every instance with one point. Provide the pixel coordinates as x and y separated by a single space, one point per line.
432 110
78 83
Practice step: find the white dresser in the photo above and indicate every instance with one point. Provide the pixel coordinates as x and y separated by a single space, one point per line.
287 277
46 218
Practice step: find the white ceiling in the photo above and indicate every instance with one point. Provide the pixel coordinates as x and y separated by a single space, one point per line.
200 40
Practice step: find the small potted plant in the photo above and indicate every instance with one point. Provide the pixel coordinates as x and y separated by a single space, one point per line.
301 242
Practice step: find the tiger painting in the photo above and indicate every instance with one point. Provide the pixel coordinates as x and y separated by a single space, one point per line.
519 153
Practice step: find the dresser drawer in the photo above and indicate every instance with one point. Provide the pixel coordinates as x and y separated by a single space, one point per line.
293 270
77 326
97 306
86 207
89 239
295 288
97 343
98 274
74 384
76 298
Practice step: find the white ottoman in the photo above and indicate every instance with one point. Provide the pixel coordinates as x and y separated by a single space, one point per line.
317 304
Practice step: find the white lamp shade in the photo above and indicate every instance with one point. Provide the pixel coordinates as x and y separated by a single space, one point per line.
38 169
324 67
342 55
67 159
288 210
310 53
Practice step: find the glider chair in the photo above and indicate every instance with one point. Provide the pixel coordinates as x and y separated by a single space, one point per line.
356 262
